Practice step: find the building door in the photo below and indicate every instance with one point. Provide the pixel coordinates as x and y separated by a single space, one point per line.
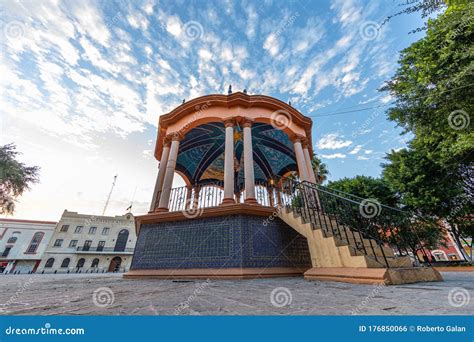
121 241
115 264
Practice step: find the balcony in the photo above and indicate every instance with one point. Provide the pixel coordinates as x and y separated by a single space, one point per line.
103 250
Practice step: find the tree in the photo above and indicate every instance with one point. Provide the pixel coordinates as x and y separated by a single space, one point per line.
426 7
15 178
320 169
367 187
433 91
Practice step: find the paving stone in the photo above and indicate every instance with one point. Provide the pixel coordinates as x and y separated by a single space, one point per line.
72 294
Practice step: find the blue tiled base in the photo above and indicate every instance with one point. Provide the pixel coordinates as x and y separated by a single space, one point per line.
235 241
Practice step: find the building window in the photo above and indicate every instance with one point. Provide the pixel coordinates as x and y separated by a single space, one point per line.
78 229
12 239
101 245
105 231
35 241
49 263
6 251
58 242
65 263
92 230
95 263
87 245
80 263
64 228
73 243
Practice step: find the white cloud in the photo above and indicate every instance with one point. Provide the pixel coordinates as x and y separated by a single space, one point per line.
356 149
271 44
333 156
331 142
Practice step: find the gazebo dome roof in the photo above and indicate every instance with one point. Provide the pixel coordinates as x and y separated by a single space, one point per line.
199 124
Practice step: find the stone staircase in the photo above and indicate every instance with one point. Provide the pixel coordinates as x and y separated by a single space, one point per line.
355 251
329 249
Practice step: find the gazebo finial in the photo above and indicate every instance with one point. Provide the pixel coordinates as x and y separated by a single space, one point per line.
184 100
230 89
245 91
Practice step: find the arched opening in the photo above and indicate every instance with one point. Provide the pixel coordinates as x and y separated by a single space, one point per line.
80 263
35 241
201 154
114 265
65 262
49 263
95 263
121 242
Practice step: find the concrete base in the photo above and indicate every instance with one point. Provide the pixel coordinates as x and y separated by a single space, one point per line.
225 273
387 276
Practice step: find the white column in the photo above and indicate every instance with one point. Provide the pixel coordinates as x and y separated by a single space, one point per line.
168 181
248 164
229 163
161 176
309 167
300 160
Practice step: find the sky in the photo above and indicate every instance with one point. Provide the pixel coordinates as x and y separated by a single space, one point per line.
83 84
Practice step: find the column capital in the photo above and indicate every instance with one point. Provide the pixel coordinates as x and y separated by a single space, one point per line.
230 122
304 142
246 122
176 136
167 141
298 139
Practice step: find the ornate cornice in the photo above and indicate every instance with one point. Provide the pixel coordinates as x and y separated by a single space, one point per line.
238 99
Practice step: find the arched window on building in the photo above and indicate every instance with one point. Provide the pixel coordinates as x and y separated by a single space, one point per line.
12 239
49 263
121 242
65 262
35 241
95 263
80 263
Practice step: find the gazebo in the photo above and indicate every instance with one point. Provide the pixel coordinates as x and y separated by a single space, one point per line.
250 206
235 142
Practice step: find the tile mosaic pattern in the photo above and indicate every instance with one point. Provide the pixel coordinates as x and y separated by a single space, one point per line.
220 242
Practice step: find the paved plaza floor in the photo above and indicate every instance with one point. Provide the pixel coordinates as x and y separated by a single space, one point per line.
110 294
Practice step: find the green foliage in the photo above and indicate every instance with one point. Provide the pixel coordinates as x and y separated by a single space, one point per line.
15 178
320 169
367 187
433 89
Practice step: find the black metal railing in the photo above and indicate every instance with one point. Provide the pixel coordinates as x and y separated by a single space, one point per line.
368 227
365 225
103 249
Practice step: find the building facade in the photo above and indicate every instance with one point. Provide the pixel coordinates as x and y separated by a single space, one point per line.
22 244
90 244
